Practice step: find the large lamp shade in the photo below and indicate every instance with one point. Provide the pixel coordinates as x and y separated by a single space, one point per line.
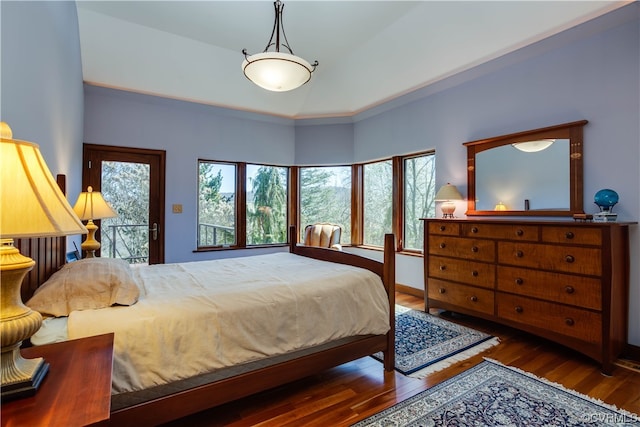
31 205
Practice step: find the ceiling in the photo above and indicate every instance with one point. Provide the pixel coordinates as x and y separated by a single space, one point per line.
369 51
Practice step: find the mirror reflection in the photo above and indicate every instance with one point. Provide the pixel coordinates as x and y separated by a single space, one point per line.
536 178
532 173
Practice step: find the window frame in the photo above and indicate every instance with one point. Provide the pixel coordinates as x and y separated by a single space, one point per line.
394 212
400 225
240 205
296 214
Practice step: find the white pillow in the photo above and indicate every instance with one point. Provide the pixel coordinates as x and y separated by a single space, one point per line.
89 283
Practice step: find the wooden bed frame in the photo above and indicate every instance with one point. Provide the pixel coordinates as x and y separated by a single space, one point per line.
49 255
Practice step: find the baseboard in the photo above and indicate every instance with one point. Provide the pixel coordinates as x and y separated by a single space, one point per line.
632 352
410 290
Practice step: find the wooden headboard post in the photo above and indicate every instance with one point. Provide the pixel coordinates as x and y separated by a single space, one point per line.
49 253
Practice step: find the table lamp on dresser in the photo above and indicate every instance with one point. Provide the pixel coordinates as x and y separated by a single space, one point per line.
31 205
447 194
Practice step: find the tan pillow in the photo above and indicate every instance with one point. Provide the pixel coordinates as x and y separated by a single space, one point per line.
86 284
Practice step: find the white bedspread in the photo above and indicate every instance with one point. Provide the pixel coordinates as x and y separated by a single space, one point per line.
200 316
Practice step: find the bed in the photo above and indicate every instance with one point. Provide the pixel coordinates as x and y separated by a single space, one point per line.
157 401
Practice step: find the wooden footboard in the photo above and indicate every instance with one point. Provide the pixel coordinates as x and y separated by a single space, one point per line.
386 270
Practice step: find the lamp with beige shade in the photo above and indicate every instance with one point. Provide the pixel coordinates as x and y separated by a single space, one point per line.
89 206
32 205
446 194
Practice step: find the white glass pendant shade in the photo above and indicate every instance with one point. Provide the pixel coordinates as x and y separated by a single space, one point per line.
533 146
277 71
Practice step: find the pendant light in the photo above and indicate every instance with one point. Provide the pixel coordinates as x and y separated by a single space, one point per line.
275 70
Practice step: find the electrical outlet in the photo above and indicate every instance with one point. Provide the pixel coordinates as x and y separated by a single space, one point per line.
177 208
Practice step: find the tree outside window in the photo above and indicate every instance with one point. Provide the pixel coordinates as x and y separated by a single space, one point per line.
378 202
325 196
419 191
266 204
216 204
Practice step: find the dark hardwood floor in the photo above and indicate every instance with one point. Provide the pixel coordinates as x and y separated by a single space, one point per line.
348 393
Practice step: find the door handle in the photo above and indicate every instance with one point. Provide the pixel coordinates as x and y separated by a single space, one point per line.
154 231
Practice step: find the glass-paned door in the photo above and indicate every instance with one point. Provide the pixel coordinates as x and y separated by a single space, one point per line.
126 187
132 182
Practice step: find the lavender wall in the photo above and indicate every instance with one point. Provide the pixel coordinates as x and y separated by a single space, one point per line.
324 144
42 95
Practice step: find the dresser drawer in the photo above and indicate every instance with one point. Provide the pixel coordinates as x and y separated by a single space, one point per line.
457 270
561 258
573 322
444 227
471 249
573 235
564 288
521 232
476 299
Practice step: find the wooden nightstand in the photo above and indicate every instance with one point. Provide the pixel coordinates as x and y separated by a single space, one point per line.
75 392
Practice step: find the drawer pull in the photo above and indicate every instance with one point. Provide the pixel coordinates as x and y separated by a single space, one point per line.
519 254
443 245
473 298
474 249
442 228
443 267
569 259
518 309
569 235
442 290
569 321
474 229
519 232
569 289
519 281
474 273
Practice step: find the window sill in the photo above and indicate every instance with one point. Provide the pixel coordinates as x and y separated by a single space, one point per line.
408 252
232 248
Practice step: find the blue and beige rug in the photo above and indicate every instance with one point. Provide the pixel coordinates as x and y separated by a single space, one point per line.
427 343
491 394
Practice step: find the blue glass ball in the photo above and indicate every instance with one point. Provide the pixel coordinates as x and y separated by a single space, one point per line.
606 199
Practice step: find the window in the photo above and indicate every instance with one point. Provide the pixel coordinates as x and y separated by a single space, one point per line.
419 173
266 204
241 204
378 202
325 196
216 204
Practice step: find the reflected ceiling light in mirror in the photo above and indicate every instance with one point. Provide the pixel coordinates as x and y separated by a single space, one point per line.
274 70
533 146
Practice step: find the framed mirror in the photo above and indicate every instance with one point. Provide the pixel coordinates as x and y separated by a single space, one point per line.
531 173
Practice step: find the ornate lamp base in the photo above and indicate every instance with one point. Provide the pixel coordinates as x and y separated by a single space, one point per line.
90 245
20 377
448 208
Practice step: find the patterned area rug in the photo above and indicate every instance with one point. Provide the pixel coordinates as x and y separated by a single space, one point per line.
491 394
427 343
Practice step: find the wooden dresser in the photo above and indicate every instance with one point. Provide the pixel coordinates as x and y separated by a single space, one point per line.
563 280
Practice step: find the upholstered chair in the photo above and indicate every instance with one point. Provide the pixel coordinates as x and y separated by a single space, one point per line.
323 235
